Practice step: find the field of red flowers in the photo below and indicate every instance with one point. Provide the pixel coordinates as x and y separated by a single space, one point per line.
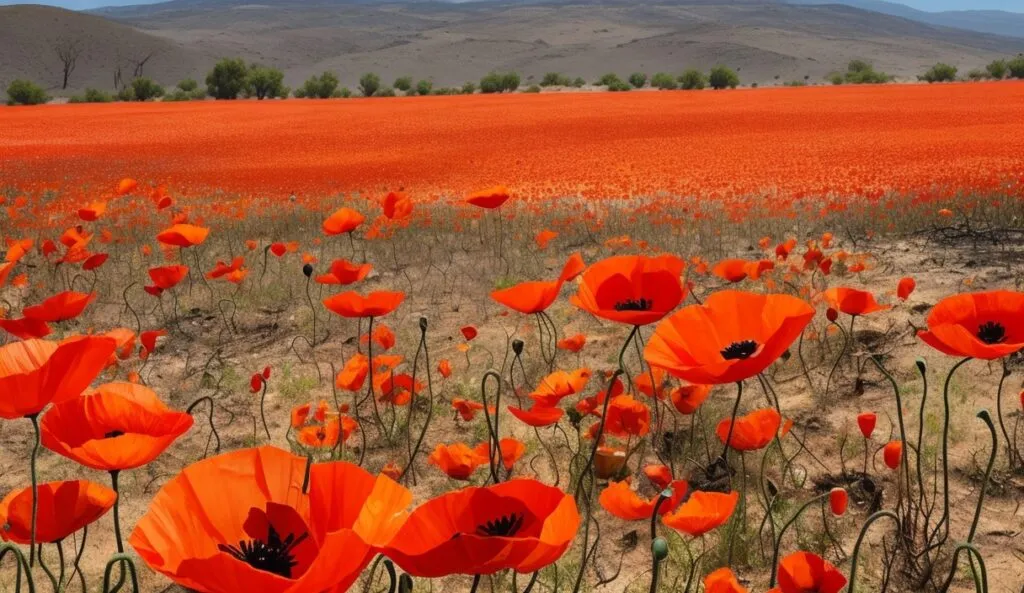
803 141
810 385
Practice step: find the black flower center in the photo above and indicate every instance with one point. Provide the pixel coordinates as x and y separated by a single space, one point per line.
640 304
275 555
740 350
113 434
501 527
991 332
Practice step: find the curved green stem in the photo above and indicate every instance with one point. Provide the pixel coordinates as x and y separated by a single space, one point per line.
851 587
987 419
121 560
35 490
20 564
732 420
782 533
494 447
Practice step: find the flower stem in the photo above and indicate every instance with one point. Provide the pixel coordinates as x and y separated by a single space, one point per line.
782 533
860 539
35 489
732 420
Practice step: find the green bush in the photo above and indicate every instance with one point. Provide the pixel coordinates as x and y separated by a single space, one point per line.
25 92
92 95
619 86
939 73
1016 67
608 79
638 79
795 83
368 84
228 79
126 93
861 72
424 87
693 80
265 83
555 79
997 69
318 87
188 85
496 82
578 82
532 89
385 92
144 89
403 83
510 81
836 78
469 88
977 75
345 93
722 77
664 81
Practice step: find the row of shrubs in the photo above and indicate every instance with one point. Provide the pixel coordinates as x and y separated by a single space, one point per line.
996 70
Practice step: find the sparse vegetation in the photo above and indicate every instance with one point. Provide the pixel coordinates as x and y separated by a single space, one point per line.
664 81
977 75
555 79
468 88
860 72
496 82
381 92
533 88
694 80
723 77
92 95
939 73
25 92
228 79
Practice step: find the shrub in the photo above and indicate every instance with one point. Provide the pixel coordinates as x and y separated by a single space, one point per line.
579 82
368 84
424 87
510 81
555 79
693 80
92 95
997 69
836 78
977 74
1016 67
318 87
403 83
144 89
345 93
638 79
794 83
532 89
499 83
618 86
383 92
126 93
723 77
608 79
188 85
939 73
861 72
25 92
663 81
265 83
468 88
228 79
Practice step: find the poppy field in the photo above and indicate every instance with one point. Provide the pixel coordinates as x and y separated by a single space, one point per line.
783 358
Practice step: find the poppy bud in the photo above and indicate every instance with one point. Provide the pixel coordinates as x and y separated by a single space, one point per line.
838 499
307 270
922 366
1022 400
832 314
892 453
659 548
266 373
423 324
866 423
517 347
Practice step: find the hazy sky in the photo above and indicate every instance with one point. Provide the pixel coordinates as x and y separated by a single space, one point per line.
929 5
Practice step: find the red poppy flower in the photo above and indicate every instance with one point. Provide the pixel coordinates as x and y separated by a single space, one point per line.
95 261
490 198
116 427
892 453
344 220
544 237
467 409
643 381
573 343
627 416
321 436
534 297
382 336
278 249
35 373
659 475
345 272
148 339
299 415
731 270
223 269
511 451
838 500
375 304
558 385
124 340
866 423
985 325
804 572
852 301
621 501
702 512
905 287
445 368
183 235
732 336
457 460
168 277
520 524
687 398
61 307
25 329
268 536
751 432
63 509
351 377
469 332
538 416
723 581
397 205
631 289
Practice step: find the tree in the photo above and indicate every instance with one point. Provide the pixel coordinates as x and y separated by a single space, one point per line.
68 50
664 81
608 79
228 79
1016 67
496 82
144 89
424 87
510 81
555 79
997 69
319 87
723 77
638 79
403 83
25 92
939 73
368 84
468 88
265 82
861 72
693 80
188 85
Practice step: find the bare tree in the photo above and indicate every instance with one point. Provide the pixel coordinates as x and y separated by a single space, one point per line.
140 63
68 50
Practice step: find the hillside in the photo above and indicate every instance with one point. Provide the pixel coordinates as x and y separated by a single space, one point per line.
996 22
767 42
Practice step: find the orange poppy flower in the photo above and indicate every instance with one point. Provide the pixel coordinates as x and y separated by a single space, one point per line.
63 509
124 340
866 423
457 460
573 343
268 536
558 385
92 212
223 269
520 524
627 416
687 398
892 454
168 277
642 382
511 451
126 186
751 432
852 301
732 336
148 339
397 205
723 581
60 307
183 235
659 475
905 287
344 220
345 272
34 373
804 572
631 289
621 501
985 325
116 427
25 329
382 336
391 470
445 368
321 436
731 270
93 262
299 415
354 373
702 512
538 416
534 297
467 409
544 237
375 304
397 389
490 198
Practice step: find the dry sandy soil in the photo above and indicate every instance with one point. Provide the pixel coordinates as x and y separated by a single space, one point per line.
451 43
